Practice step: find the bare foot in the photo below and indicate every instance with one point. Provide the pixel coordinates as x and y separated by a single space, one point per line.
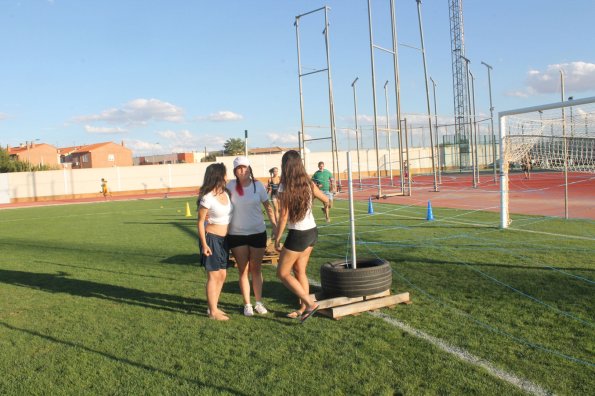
219 316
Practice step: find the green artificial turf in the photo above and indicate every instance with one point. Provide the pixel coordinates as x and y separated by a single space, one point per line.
108 298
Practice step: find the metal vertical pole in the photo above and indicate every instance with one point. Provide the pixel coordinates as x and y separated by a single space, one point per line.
359 173
407 163
374 98
503 176
565 149
423 52
437 137
351 212
246 142
390 161
492 118
397 89
468 117
475 147
331 102
299 60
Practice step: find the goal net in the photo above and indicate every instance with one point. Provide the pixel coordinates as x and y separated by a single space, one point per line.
557 137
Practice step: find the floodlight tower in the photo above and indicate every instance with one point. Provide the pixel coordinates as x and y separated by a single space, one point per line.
459 78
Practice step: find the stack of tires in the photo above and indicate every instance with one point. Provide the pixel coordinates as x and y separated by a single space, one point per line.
371 276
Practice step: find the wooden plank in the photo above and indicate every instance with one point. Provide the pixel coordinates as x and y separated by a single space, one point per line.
321 297
367 305
338 301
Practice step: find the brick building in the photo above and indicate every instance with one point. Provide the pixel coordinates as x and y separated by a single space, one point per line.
98 155
35 154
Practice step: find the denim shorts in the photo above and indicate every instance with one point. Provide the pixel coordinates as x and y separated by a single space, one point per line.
219 259
298 241
253 240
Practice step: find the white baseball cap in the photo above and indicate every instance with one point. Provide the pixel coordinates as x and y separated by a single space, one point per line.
239 161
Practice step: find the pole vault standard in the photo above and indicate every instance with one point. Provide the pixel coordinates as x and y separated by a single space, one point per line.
423 54
359 172
333 136
394 52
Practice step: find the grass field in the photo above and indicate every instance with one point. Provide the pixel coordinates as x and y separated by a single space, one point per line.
108 298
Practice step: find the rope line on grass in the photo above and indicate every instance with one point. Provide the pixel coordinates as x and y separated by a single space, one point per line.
559 311
494 329
487 326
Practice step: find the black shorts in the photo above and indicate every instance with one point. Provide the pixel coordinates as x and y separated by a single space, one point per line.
253 240
298 241
219 259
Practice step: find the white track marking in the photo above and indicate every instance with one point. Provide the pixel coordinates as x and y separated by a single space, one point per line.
521 383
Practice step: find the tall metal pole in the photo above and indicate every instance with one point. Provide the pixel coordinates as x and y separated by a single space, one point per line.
351 212
468 117
390 161
407 163
436 126
565 149
492 120
331 102
246 142
475 146
374 98
359 173
423 52
397 90
299 60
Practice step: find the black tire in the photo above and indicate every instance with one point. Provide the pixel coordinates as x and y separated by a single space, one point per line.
370 277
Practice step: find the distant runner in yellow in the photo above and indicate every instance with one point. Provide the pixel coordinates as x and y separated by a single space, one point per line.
104 189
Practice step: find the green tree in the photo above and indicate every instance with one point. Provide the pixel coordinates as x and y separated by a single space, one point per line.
234 146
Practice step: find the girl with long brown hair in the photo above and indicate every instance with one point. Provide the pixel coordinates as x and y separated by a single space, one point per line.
296 193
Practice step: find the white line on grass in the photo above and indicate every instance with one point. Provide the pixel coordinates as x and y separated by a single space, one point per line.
521 383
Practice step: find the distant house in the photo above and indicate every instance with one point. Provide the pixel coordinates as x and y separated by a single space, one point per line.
98 155
35 154
173 158
267 150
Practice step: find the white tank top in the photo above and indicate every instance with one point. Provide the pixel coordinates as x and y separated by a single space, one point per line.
218 213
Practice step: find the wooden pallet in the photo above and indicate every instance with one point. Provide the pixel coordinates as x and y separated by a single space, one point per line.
269 258
338 307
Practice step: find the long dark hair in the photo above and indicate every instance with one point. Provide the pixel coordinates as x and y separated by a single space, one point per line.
297 187
214 180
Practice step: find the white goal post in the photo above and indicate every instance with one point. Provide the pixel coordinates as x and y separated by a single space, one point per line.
557 136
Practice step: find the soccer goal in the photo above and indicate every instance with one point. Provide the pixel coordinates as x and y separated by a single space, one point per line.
557 137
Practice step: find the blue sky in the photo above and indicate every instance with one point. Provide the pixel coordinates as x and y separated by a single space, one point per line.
169 76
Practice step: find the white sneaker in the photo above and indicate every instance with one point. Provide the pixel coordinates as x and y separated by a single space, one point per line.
248 311
259 308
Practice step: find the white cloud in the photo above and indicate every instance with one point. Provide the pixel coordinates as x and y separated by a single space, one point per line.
170 141
137 112
284 139
3 116
92 129
223 116
578 77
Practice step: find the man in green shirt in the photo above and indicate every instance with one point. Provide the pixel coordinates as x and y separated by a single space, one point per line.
324 180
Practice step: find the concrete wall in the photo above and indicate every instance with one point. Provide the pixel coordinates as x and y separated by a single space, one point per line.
79 183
